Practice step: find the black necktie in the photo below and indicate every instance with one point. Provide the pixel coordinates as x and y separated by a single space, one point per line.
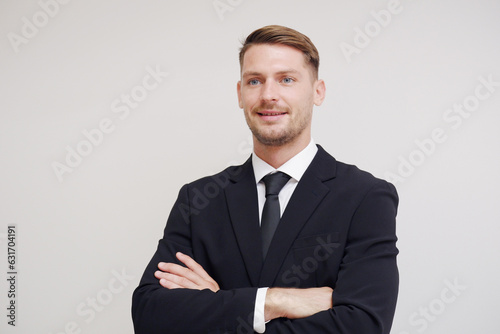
271 212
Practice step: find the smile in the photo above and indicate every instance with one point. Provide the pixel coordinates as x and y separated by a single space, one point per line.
271 113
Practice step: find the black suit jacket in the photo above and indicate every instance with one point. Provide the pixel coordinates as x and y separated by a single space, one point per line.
338 230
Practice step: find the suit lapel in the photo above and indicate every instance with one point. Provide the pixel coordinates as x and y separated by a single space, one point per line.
307 196
242 203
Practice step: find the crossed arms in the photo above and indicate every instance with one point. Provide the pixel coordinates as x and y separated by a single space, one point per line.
280 302
356 287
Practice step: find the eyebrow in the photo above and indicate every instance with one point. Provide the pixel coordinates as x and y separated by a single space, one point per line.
254 73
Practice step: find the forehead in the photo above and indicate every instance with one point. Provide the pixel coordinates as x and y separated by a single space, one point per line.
273 57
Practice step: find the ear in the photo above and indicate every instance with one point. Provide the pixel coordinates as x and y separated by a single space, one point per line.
238 89
319 92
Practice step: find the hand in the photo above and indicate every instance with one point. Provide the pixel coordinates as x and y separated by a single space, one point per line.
296 303
174 276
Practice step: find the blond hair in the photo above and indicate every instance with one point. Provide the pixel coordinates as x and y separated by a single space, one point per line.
275 34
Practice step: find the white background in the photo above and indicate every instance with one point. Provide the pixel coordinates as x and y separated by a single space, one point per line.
104 218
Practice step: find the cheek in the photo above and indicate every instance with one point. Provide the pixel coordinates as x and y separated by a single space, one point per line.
299 102
292 102
249 99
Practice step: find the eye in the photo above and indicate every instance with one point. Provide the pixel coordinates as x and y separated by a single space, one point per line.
253 82
287 80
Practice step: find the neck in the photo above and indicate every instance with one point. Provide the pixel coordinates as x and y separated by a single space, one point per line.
278 155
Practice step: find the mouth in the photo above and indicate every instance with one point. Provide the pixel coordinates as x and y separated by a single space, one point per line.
271 115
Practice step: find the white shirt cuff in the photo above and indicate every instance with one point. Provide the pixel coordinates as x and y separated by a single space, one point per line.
259 321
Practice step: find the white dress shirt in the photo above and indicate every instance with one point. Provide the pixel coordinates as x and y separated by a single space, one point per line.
295 167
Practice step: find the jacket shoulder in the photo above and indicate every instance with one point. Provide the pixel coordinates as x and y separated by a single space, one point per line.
224 177
352 177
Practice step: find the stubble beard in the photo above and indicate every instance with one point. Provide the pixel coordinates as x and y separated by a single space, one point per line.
276 138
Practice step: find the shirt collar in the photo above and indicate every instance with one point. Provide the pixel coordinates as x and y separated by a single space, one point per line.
295 167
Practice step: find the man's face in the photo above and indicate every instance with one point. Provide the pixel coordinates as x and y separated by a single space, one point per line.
277 92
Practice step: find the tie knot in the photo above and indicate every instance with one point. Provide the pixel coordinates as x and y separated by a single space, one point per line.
274 182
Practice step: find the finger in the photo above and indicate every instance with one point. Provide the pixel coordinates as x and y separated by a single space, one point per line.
175 269
181 271
164 282
194 266
176 281
168 266
169 285
195 280
180 275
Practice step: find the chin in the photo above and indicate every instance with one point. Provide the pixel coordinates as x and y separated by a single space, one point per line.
273 140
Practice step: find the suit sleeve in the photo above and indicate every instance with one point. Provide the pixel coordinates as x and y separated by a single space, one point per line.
156 309
364 297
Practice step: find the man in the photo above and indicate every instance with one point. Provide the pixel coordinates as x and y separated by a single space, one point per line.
223 266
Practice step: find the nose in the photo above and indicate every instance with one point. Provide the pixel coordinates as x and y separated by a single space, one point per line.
269 91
